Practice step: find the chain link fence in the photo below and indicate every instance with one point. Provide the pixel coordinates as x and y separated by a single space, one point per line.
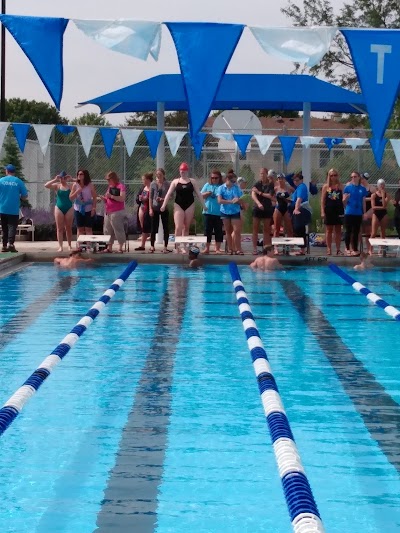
66 153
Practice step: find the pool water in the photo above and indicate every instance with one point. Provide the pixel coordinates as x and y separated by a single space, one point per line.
153 421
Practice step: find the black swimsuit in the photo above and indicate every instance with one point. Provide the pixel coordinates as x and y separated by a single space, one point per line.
184 195
379 213
282 205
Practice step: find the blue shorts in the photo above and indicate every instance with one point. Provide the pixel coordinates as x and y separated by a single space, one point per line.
231 217
84 221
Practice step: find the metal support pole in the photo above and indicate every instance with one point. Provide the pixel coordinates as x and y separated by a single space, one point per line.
306 150
160 157
3 67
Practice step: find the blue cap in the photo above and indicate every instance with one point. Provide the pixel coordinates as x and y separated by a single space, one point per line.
10 168
62 174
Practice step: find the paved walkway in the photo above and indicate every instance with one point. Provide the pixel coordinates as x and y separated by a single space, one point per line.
42 251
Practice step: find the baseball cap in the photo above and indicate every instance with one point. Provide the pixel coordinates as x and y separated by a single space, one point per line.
184 167
241 179
10 168
280 175
365 175
272 173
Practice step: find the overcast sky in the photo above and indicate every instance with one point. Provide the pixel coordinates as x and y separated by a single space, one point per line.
91 70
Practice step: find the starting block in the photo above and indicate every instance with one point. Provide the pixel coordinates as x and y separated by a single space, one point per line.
93 243
287 243
384 244
190 239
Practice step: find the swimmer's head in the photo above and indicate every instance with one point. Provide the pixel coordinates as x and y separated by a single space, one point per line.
194 252
267 250
381 183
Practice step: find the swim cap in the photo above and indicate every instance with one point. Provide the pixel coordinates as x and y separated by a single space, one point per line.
184 167
62 174
380 182
194 250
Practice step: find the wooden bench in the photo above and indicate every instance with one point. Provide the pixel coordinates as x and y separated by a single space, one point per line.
93 243
384 244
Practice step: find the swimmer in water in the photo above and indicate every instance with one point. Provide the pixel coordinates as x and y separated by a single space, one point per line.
75 258
267 261
194 261
365 262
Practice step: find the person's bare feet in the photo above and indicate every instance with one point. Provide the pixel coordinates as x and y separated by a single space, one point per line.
60 249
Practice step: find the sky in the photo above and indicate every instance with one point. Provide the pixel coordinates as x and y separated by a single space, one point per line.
91 70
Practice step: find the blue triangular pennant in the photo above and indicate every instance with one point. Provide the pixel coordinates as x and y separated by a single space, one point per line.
332 141
378 149
197 143
287 142
202 63
108 135
153 138
376 58
21 133
66 130
41 40
243 142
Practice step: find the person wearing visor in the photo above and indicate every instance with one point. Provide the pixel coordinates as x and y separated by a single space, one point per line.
185 189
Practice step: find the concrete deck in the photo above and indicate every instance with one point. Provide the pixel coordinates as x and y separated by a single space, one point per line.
46 251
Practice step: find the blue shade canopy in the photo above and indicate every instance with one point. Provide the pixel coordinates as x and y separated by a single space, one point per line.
237 91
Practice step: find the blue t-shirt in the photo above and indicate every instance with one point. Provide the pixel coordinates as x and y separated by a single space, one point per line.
300 192
354 205
11 190
227 193
213 207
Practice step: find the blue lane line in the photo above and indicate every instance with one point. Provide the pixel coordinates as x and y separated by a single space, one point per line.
14 405
303 510
372 297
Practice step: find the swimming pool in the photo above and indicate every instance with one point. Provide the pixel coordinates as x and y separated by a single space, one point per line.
153 421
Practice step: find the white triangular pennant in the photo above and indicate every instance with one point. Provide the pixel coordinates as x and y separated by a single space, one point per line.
354 142
307 140
87 133
226 136
396 149
3 131
43 132
130 139
136 38
264 142
174 139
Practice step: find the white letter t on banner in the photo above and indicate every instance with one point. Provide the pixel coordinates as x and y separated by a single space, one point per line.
381 50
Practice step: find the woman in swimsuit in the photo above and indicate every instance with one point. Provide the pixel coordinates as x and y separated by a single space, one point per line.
263 195
144 210
84 196
332 210
185 188
281 213
379 202
63 212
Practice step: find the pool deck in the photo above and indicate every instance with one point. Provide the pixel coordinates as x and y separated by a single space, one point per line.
46 251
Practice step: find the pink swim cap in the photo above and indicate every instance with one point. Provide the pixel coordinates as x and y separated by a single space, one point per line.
184 167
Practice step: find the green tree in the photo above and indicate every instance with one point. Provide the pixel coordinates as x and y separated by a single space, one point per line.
337 65
32 112
90 119
175 119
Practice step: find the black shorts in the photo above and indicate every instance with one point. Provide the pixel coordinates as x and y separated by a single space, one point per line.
84 221
263 213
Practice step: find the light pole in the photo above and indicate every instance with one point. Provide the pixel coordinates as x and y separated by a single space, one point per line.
3 67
